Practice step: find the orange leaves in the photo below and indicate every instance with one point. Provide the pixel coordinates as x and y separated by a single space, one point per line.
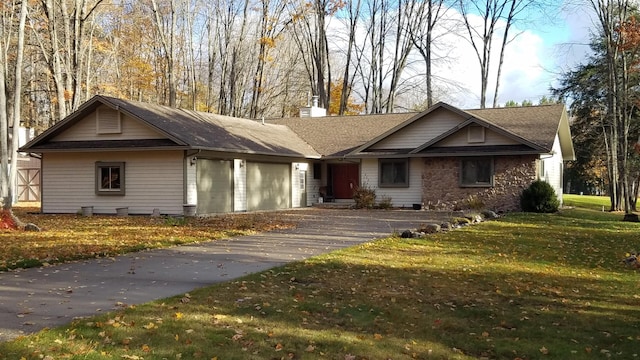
67 237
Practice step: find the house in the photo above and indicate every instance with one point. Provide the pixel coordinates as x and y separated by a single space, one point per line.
113 154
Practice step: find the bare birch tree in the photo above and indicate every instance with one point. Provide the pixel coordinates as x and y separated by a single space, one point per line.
424 16
492 13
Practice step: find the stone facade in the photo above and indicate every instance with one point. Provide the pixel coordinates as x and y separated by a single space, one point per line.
441 188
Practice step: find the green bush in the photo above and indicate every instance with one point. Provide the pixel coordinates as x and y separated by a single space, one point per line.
539 197
365 197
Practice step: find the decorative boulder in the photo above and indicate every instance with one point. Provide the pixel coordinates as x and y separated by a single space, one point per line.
430 228
406 234
488 214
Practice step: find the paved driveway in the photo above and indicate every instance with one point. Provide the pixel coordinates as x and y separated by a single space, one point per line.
33 299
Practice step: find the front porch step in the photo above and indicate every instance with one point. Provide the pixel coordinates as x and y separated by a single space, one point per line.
337 204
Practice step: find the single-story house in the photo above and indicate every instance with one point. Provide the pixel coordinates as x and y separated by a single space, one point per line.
113 154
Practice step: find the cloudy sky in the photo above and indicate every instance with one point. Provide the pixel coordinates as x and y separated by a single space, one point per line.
544 48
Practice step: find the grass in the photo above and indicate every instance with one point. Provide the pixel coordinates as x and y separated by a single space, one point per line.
71 237
529 286
587 201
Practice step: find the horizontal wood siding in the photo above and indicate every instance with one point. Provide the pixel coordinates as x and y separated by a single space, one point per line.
421 131
85 129
460 138
152 180
400 197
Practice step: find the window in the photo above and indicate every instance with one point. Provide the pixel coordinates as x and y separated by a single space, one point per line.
476 172
110 178
303 180
393 173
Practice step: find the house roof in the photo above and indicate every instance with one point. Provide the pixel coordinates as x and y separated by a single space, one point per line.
187 129
336 136
533 127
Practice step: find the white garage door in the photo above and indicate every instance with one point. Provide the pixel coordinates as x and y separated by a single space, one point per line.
268 186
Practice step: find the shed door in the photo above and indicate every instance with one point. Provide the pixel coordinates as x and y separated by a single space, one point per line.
268 186
215 186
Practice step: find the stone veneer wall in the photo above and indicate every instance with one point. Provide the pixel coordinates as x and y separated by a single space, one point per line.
441 183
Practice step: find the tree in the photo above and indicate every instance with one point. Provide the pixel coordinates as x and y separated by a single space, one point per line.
424 15
492 13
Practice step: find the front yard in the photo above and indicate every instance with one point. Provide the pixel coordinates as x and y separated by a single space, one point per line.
528 286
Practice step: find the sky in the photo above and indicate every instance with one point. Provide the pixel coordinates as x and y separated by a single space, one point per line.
534 60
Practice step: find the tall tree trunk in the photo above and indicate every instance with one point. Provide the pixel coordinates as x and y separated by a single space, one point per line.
17 101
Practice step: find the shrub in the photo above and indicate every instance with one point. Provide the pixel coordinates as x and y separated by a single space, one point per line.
385 203
474 203
539 197
365 197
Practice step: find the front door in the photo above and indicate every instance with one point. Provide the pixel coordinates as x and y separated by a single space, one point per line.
346 178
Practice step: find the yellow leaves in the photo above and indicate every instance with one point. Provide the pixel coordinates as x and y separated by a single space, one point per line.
544 350
76 237
149 326
178 315
377 336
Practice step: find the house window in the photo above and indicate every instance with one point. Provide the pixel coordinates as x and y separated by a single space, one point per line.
476 172
110 178
393 173
303 180
475 134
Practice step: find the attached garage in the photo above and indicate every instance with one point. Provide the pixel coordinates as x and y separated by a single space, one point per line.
268 186
215 186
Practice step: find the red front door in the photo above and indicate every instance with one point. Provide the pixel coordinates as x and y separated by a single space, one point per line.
346 177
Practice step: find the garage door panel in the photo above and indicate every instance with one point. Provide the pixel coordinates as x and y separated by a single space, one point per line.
268 186
215 186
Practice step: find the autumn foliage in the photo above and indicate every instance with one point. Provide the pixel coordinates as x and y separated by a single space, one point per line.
71 237
6 221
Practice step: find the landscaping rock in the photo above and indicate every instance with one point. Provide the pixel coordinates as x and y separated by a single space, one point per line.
406 234
490 215
31 227
430 228
446 226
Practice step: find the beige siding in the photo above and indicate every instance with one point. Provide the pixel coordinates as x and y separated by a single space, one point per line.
400 197
313 185
460 138
553 168
152 180
421 131
86 129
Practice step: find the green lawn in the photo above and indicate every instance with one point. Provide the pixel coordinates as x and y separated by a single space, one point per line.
528 286
587 201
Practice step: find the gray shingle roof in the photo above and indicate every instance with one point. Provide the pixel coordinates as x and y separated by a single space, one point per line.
196 130
335 136
538 124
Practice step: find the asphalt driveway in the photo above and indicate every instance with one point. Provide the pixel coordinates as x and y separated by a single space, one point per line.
33 299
